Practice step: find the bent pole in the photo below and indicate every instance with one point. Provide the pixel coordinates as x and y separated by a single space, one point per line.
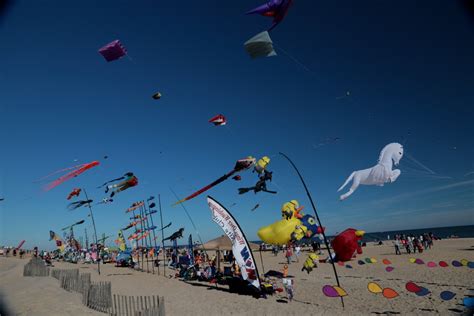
319 222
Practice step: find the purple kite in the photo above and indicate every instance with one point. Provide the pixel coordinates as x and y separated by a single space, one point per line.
277 9
113 51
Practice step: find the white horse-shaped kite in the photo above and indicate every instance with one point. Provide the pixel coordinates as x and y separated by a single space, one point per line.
378 174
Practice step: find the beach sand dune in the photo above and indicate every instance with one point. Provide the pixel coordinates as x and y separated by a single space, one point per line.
40 294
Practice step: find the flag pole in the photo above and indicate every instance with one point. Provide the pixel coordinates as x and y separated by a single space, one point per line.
95 231
154 235
162 237
319 221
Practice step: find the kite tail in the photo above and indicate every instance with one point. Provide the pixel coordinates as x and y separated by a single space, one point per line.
347 181
179 202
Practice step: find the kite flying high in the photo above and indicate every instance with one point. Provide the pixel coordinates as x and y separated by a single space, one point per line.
277 9
130 180
218 120
240 165
77 170
113 51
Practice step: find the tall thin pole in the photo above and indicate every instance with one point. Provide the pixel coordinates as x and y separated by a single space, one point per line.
147 226
319 221
154 236
136 242
142 232
162 237
87 239
261 259
95 231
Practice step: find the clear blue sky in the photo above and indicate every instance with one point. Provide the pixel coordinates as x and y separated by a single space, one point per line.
408 65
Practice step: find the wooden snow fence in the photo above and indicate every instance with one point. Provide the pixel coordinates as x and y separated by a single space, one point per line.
98 296
137 306
35 268
95 295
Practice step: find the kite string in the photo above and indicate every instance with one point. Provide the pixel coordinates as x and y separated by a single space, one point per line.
189 216
413 160
130 58
293 58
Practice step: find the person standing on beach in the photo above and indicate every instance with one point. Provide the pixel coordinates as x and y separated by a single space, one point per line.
288 254
407 245
288 284
429 241
297 252
396 242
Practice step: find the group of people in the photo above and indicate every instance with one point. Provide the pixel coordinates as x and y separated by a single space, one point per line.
14 252
412 243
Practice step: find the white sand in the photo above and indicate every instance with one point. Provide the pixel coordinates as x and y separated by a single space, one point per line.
36 296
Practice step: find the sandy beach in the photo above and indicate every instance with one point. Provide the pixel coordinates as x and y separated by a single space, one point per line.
43 296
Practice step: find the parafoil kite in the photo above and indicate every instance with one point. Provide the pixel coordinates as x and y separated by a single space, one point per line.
260 45
74 192
346 244
77 171
277 9
177 234
129 180
157 96
218 120
78 204
113 51
379 174
240 165
255 207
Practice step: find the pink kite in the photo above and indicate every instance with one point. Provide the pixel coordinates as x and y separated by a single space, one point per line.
113 51
78 170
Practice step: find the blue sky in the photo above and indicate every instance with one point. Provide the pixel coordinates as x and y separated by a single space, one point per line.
408 67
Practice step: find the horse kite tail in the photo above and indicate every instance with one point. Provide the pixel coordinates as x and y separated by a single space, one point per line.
347 181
